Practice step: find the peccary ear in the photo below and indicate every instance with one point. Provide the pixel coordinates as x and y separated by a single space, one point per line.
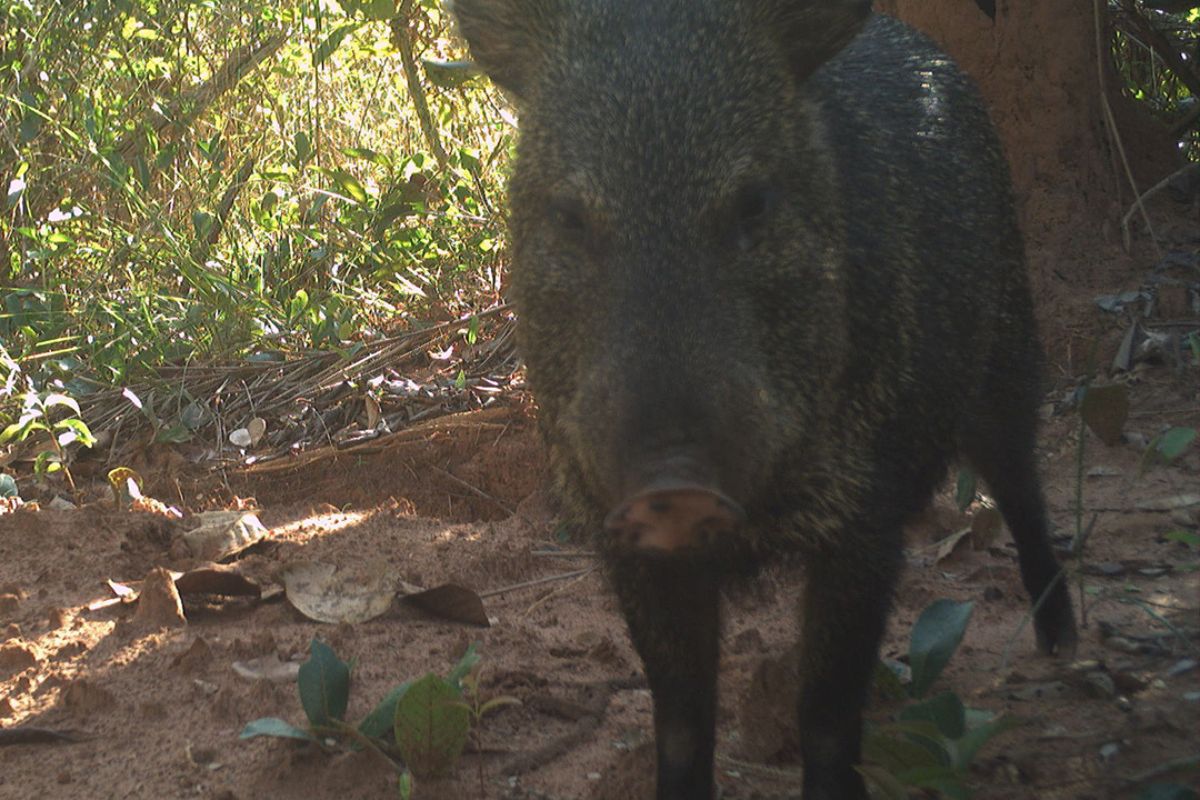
813 31
508 37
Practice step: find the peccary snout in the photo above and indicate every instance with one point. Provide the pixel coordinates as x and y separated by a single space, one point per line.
671 513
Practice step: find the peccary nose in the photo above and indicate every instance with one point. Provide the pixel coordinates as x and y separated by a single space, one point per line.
670 515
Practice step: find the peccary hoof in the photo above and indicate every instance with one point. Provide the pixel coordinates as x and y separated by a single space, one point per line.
671 516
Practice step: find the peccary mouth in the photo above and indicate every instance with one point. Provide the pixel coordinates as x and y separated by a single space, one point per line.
671 514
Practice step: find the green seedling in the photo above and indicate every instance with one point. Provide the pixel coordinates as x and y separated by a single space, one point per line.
930 744
37 417
424 722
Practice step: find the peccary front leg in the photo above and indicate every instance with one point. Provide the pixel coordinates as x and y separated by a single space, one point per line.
846 603
672 608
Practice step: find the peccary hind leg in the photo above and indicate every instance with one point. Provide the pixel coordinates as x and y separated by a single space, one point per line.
672 608
1005 461
846 603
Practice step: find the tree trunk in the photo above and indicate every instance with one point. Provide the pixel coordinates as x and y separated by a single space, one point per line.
1037 66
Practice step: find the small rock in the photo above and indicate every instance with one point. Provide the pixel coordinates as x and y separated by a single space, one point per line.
1139 440
61 503
9 603
1182 666
1100 684
15 657
1191 697
1109 751
1125 704
195 658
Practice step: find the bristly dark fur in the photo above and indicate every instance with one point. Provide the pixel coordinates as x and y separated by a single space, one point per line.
778 233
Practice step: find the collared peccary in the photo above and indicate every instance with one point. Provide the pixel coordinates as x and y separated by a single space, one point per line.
770 283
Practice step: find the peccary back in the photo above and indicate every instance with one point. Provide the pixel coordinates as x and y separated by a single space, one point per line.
770 284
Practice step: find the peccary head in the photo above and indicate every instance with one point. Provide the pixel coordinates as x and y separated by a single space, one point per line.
675 209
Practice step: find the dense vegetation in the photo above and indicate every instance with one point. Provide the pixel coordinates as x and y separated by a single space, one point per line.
193 179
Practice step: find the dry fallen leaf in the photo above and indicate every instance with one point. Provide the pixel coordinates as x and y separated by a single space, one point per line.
328 593
268 668
947 546
1105 409
451 601
985 527
223 533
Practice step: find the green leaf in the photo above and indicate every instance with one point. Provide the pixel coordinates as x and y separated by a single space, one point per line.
273 726
366 154
935 637
303 145
944 710
332 42
383 716
897 749
58 399
82 433
944 780
889 785
202 221
968 746
349 185
887 682
464 666
964 488
8 486
47 462
175 433
1190 538
324 685
1174 442
19 431
431 726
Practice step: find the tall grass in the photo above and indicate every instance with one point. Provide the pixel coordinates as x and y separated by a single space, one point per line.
202 179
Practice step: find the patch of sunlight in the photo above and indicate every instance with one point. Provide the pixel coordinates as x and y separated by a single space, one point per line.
321 524
65 649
